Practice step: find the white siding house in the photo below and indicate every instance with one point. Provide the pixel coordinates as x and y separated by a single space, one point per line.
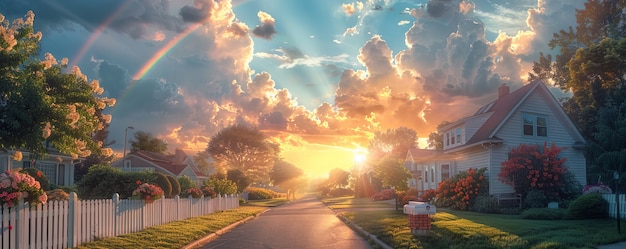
57 167
529 115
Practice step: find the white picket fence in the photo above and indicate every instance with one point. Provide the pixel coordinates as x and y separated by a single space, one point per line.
67 224
613 206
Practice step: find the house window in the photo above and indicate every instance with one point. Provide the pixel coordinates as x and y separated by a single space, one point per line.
445 171
458 135
447 140
61 178
426 176
49 170
452 137
534 125
432 174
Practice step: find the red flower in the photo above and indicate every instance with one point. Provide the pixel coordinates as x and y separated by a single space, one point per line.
138 182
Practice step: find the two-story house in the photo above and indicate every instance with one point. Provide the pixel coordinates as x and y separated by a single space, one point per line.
529 115
177 164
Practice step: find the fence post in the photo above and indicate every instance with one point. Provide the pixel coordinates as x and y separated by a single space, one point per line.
71 219
20 227
116 203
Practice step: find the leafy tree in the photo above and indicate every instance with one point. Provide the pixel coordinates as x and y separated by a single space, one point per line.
43 102
435 140
202 160
244 148
394 143
287 176
145 141
337 178
607 153
531 167
239 178
392 173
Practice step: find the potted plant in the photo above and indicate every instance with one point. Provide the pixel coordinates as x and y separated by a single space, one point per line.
15 186
148 192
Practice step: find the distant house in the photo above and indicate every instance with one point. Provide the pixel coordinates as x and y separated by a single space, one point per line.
178 164
529 115
57 167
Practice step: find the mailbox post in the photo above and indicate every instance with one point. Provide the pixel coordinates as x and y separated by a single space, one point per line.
419 219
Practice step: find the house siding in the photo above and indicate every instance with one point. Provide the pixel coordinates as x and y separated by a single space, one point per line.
511 133
472 125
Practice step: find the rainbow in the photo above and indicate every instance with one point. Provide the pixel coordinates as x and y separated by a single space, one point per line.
96 33
163 51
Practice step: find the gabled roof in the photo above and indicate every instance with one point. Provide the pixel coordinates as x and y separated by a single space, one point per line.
416 154
505 106
166 162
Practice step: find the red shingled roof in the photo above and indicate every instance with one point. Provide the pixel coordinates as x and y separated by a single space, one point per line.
502 108
168 163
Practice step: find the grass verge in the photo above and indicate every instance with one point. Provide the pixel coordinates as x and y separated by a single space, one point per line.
459 229
178 233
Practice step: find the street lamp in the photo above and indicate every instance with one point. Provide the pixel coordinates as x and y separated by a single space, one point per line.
616 177
125 136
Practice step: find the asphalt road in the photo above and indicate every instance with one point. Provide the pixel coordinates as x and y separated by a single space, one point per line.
305 223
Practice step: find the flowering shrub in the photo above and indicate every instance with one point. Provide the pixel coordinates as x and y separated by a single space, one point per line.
208 192
599 188
385 194
15 186
461 191
531 167
193 192
148 191
57 195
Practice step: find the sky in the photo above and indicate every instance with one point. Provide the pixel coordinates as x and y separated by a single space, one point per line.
318 77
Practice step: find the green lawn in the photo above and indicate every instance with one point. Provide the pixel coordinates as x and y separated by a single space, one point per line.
178 233
459 229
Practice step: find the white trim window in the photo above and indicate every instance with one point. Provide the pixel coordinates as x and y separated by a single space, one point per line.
534 125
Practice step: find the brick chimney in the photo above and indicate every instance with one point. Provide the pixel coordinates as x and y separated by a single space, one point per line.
503 90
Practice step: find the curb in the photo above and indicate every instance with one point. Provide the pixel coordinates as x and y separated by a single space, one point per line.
363 232
208 238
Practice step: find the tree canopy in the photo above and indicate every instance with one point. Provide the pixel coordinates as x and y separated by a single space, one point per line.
43 102
393 142
145 141
392 173
287 176
244 148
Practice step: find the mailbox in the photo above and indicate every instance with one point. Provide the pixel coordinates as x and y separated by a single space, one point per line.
417 207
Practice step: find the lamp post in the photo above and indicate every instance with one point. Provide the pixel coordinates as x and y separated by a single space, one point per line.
125 136
616 177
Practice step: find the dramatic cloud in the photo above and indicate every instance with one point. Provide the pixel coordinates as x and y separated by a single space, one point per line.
266 30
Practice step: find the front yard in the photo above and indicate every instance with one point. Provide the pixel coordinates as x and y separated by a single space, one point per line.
460 229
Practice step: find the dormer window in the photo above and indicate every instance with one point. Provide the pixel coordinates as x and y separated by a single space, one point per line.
534 125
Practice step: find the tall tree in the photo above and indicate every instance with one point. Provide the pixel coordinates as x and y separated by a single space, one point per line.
244 148
607 153
287 176
145 141
393 142
337 178
392 173
45 102
589 62
239 178
435 140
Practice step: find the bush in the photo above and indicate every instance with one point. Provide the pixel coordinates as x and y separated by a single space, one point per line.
221 186
193 192
461 191
543 214
101 182
39 176
57 195
337 192
186 183
259 194
485 204
163 182
535 199
428 196
175 185
385 194
588 206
